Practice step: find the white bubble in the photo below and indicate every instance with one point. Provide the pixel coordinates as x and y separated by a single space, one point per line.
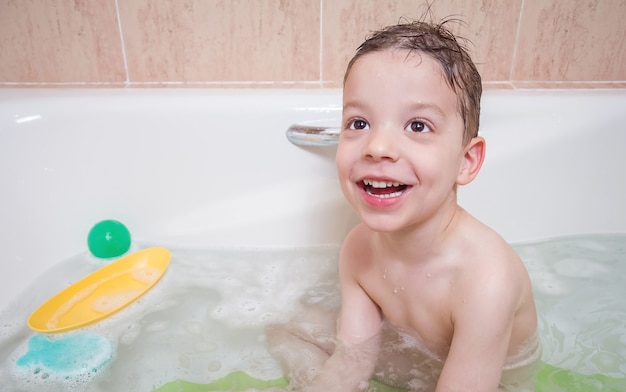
214 366
157 326
194 328
579 268
111 302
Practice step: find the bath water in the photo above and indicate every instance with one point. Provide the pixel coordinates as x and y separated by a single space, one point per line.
579 291
205 318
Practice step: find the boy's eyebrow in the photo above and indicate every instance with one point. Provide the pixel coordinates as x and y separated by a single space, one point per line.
356 104
428 106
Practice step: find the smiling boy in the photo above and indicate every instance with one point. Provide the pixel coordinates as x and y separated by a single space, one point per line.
431 298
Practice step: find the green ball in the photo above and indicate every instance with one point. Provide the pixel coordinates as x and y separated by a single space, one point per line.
108 238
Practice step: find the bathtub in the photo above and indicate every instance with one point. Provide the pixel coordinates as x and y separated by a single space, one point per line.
199 167
207 167
203 167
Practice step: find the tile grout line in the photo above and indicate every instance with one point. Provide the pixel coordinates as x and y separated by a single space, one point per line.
253 83
517 35
321 56
121 32
168 83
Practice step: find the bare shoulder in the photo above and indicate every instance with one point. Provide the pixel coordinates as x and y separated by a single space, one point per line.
492 268
489 269
495 281
486 249
356 248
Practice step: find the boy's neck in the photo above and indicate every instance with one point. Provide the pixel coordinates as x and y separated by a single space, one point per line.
421 243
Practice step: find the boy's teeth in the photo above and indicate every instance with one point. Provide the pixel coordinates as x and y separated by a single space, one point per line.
385 195
383 189
380 184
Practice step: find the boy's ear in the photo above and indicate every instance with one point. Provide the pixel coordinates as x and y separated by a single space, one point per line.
472 160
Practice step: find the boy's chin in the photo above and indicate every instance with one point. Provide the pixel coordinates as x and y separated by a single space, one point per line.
382 224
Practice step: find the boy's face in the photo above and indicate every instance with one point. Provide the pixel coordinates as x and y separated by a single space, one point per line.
400 152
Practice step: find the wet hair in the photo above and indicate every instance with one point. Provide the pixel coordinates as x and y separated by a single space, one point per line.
438 42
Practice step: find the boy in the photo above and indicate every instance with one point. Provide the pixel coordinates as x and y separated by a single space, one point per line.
431 299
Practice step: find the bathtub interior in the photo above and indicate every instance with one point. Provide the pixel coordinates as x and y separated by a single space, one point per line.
554 165
190 167
212 168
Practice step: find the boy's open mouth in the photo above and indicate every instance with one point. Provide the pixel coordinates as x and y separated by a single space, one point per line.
383 189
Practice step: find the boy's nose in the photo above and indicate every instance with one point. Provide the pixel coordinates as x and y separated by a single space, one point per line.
381 145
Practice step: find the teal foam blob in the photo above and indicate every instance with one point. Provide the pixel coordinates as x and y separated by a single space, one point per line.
66 356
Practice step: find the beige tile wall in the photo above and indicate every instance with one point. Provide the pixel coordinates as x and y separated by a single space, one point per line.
301 43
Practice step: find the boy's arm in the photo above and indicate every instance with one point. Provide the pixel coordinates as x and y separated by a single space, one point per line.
352 363
360 316
348 369
483 323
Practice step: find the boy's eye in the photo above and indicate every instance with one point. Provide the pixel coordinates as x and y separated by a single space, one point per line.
417 127
358 124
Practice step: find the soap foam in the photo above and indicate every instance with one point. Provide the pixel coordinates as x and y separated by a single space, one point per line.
203 320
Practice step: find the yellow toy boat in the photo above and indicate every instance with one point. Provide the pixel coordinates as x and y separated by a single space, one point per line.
101 293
